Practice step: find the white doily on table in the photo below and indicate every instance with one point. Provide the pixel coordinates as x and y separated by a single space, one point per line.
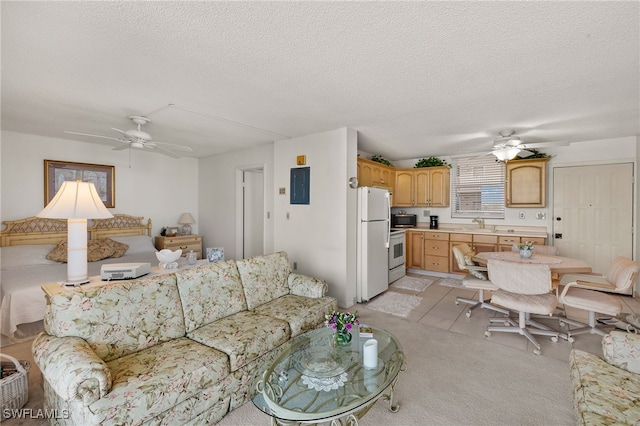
325 383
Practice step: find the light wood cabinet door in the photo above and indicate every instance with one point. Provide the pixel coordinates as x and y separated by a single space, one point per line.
439 187
422 182
365 173
415 249
403 192
526 184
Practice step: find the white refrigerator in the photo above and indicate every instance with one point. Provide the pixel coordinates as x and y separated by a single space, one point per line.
372 277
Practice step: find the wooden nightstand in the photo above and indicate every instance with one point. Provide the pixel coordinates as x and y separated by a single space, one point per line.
183 242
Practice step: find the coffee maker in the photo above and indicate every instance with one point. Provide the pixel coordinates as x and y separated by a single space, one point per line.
433 223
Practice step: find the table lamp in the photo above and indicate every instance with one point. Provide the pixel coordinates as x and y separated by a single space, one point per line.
76 201
186 220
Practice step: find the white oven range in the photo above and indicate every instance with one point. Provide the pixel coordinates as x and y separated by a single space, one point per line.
397 253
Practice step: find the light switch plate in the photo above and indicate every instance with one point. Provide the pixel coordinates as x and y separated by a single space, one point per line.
523 215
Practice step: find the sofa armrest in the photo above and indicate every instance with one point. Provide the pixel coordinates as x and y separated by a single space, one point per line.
303 285
71 367
622 350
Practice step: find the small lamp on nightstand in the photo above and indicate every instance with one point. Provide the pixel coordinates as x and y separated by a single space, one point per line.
186 220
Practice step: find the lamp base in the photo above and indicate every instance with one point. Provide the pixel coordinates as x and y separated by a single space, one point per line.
186 229
76 283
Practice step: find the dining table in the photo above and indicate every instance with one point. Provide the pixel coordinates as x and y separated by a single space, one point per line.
558 264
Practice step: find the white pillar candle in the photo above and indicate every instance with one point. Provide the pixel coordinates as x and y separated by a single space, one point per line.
370 353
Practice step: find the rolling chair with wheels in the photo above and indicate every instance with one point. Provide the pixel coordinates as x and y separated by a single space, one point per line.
581 291
476 280
527 289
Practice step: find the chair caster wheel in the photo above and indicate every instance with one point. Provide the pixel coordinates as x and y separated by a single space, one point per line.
570 339
554 339
468 314
487 333
537 352
562 323
457 303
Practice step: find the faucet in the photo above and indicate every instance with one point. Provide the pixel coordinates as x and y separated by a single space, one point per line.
479 221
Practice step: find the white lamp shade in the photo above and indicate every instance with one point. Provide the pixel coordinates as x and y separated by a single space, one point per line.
186 219
506 153
76 200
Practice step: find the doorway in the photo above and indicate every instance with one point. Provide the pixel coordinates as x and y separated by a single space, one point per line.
251 214
593 213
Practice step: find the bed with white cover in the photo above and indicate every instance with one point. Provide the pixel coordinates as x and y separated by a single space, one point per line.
25 268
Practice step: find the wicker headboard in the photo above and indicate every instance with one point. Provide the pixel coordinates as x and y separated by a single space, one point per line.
119 225
36 230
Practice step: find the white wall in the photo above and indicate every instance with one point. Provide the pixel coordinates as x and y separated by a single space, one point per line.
578 153
320 237
218 194
155 186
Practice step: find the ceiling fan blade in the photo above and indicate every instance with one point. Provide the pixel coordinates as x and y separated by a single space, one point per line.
174 146
120 131
166 152
121 147
93 136
524 153
549 144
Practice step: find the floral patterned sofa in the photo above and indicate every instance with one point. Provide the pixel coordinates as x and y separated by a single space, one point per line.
607 391
177 348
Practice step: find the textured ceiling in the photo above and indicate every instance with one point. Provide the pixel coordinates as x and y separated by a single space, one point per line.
414 78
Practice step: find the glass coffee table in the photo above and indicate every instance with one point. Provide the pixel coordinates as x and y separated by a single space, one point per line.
315 381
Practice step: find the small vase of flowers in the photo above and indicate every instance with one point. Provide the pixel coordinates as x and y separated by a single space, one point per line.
526 249
342 323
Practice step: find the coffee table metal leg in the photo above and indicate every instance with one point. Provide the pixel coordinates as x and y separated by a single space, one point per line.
389 397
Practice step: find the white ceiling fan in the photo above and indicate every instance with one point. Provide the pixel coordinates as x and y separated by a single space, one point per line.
508 146
137 138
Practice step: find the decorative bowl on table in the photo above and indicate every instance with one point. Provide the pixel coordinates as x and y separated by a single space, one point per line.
168 258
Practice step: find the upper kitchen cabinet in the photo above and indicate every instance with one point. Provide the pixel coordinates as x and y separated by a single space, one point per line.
372 173
526 184
427 186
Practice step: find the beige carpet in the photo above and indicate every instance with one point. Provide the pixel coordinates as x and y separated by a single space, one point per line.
451 282
451 379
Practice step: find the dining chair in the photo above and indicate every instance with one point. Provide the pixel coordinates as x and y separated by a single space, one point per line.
527 289
476 280
583 292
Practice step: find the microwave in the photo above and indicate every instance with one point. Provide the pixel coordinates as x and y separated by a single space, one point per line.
403 220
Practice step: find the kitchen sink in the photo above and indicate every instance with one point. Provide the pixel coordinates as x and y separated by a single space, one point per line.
476 230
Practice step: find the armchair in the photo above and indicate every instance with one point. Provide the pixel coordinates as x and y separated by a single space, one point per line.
526 288
581 292
476 280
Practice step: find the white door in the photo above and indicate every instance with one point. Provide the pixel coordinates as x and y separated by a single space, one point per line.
593 213
374 203
373 260
253 213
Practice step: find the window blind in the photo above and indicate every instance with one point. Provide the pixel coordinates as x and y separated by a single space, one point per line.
477 188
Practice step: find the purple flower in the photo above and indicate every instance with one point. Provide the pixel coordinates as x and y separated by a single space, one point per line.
349 326
334 326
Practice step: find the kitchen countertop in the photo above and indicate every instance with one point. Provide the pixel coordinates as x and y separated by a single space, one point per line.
498 230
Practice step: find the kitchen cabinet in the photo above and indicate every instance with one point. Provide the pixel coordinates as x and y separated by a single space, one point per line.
185 243
526 183
436 251
422 187
506 243
372 173
415 249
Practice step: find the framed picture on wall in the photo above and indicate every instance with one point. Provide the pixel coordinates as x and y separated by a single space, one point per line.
103 177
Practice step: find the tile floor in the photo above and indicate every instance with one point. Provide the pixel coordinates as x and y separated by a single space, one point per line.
438 309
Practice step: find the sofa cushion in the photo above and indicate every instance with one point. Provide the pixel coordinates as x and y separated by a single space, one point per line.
601 389
302 313
118 318
154 380
243 336
264 278
210 292
622 350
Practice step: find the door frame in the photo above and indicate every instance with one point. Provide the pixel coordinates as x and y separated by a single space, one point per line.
634 203
240 206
